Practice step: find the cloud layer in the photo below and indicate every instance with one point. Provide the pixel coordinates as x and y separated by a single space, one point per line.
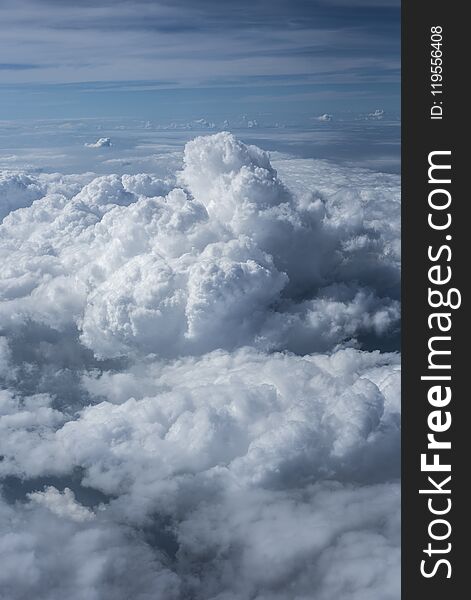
223 256
187 411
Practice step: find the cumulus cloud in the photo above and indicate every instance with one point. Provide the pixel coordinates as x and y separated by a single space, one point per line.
214 259
100 143
50 557
376 115
232 457
17 190
197 353
62 504
202 423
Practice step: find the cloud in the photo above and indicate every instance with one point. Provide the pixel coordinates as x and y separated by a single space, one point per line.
325 117
187 409
228 460
51 557
218 261
61 504
376 115
17 190
17 66
259 431
52 42
100 143
227 463
279 532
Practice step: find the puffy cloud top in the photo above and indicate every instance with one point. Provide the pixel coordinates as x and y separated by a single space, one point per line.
224 256
186 408
17 190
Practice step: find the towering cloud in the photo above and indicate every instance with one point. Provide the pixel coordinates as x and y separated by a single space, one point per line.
186 408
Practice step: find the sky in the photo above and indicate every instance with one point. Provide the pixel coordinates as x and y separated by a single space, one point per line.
199 300
184 59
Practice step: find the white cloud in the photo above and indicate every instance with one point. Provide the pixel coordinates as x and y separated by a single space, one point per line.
376 115
160 347
16 191
266 537
49 557
100 143
236 453
62 504
219 262
255 429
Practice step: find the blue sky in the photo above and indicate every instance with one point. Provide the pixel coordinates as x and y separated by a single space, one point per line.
183 59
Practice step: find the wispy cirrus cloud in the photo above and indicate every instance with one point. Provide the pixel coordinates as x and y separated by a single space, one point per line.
18 66
107 41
